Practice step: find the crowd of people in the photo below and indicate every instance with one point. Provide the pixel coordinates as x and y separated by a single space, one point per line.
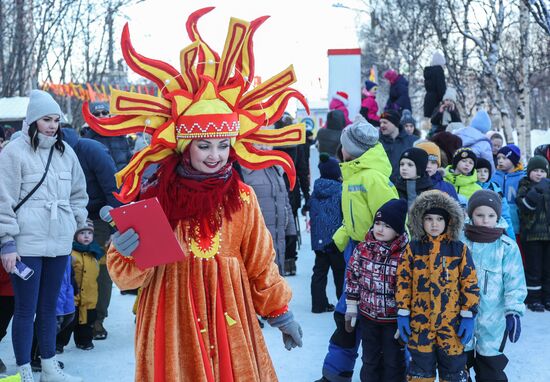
436 244
442 238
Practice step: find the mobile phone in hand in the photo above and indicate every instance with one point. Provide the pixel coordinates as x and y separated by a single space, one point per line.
22 270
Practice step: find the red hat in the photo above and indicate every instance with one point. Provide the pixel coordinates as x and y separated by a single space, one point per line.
343 97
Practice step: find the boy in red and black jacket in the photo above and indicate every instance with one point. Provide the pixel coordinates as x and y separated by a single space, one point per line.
371 286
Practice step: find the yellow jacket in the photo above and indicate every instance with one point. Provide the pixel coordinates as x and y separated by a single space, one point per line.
86 271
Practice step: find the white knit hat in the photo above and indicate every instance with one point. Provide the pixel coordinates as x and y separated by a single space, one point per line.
358 137
450 94
41 103
438 59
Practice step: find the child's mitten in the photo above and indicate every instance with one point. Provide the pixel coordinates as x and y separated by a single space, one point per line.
513 326
351 315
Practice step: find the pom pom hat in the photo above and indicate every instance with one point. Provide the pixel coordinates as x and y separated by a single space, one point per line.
209 97
511 152
342 97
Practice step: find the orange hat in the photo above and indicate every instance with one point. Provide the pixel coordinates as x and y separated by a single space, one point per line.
434 153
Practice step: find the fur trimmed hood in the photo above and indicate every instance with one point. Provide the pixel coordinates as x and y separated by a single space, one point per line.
438 199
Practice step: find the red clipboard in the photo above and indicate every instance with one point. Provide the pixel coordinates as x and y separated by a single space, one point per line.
157 242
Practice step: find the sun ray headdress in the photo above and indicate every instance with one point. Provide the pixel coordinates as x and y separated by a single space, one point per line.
209 98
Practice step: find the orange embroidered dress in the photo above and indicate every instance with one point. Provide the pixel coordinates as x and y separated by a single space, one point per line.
182 331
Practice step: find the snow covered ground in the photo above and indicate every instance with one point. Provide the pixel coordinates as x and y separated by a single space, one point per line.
113 359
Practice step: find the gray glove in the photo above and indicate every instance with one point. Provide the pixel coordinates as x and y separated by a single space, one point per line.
126 242
292 332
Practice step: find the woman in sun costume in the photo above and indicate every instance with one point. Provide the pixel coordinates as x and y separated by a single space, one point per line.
196 319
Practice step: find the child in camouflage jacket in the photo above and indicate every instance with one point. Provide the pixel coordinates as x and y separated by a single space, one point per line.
437 292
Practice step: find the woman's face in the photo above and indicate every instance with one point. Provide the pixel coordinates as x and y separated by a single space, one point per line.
409 128
209 155
48 124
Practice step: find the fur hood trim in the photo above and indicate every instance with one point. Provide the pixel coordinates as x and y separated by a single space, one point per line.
435 199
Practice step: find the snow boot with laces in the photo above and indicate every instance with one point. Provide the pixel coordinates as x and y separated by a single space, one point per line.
25 371
51 372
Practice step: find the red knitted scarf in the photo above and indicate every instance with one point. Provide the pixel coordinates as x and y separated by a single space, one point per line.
199 202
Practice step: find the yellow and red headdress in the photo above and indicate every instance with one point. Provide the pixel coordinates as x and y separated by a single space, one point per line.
208 98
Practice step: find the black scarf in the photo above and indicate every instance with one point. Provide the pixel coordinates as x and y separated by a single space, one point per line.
480 234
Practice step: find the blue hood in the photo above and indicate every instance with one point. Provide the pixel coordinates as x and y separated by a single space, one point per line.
326 188
481 122
70 136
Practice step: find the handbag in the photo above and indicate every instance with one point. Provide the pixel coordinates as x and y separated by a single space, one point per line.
38 184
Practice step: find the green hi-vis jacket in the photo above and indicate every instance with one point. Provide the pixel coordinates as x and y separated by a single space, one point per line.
366 187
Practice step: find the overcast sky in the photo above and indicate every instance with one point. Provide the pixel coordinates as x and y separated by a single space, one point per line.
298 32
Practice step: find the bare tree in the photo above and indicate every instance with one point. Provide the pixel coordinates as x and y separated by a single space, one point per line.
541 13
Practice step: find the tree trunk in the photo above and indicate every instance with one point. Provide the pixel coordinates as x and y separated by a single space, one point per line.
524 116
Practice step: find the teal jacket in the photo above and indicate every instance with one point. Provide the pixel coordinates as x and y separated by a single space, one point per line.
365 188
502 290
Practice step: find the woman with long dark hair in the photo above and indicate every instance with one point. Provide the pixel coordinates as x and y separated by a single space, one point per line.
42 203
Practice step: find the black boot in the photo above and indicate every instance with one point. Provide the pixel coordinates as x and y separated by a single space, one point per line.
293 267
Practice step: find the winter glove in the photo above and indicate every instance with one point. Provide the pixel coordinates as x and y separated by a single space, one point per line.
351 315
466 329
513 327
404 327
292 332
534 197
126 242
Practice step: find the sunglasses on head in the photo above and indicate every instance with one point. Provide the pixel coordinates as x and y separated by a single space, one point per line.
101 113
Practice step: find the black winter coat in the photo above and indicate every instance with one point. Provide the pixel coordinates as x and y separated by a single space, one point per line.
395 147
329 137
99 170
434 82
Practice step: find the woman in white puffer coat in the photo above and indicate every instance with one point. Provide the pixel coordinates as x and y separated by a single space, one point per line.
38 230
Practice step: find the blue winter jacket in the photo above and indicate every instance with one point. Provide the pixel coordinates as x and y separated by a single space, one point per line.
399 95
505 207
65 300
118 147
502 290
325 211
509 184
99 170
441 185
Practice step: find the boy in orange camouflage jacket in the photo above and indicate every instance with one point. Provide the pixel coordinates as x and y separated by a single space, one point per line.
437 291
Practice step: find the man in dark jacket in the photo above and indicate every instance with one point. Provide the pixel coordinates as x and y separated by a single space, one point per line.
394 139
99 170
118 147
329 136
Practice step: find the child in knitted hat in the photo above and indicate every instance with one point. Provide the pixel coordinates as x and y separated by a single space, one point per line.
484 174
369 107
508 174
85 255
409 123
325 214
371 286
534 211
433 168
462 173
437 284
413 178
365 188
501 278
